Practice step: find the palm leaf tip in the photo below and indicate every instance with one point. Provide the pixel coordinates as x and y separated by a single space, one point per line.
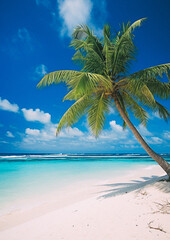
137 24
74 113
46 80
41 83
57 132
162 111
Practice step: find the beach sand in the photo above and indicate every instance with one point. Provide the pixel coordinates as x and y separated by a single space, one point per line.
136 206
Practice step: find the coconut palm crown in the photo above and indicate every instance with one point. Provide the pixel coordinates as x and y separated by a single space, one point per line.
104 82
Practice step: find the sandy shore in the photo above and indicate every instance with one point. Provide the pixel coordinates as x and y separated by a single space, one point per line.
136 206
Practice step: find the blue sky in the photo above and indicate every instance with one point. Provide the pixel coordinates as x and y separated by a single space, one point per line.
35 35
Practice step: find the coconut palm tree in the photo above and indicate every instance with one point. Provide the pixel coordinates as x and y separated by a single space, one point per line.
104 81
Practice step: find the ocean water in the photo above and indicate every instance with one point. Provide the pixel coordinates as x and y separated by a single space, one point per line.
26 175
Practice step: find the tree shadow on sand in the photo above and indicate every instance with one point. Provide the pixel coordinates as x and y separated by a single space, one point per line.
123 188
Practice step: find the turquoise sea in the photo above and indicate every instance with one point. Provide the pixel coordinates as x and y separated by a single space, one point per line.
25 175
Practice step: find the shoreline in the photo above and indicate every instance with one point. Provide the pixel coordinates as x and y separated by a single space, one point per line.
34 199
108 198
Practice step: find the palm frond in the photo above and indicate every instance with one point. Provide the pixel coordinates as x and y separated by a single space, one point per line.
79 58
79 44
94 63
135 24
125 49
96 113
158 88
57 77
148 97
135 108
75 79
106 32
140 92
83 33
108 48
124 53
73 94
87 81
74 113
162 111
152 72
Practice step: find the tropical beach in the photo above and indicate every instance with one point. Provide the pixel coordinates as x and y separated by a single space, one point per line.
84 110
136 204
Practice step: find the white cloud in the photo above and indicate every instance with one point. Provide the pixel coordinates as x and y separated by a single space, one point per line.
156 114
143 130
166 135
33 136
72 139
111 110
115 126
33 132
128 146
41 70
37 115
7 106
155 140
73 13
115 134
9 134
71 132
76 12
47 136
153 115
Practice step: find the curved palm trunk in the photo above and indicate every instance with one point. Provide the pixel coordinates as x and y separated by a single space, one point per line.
164 164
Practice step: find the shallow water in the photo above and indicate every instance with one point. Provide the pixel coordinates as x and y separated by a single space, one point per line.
23 175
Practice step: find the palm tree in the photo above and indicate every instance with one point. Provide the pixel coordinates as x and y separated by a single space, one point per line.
104 81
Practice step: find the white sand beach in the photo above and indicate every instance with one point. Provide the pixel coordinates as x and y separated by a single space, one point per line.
136 206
